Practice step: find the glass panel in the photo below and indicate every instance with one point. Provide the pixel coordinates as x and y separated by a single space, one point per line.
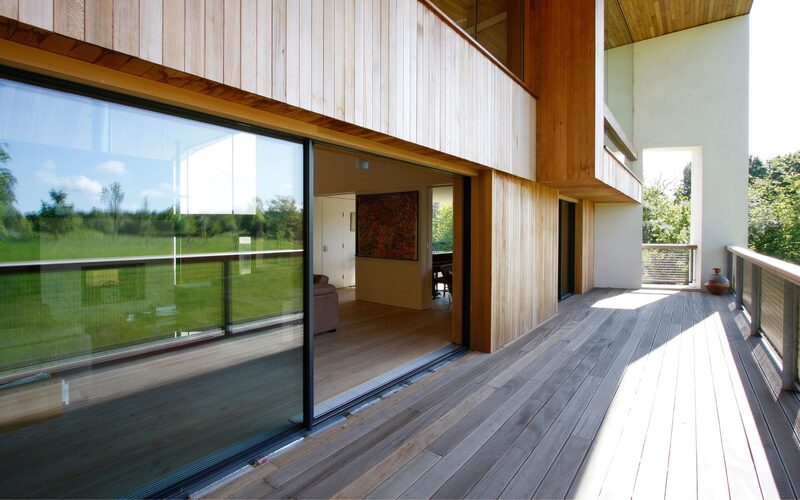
130 242
495 24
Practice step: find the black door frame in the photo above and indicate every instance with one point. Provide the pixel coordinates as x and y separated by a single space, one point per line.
309 419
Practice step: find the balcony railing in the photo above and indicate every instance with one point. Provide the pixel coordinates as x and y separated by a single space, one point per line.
135 305
668 264
768 288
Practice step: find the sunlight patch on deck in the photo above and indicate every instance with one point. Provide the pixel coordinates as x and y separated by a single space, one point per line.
633 300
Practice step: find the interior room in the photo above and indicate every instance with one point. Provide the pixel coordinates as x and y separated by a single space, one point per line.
384 291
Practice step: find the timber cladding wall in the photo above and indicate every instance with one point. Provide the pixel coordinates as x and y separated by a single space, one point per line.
584 246
391 66
515 228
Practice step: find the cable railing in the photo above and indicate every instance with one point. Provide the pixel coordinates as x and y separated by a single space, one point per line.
668 264
769 289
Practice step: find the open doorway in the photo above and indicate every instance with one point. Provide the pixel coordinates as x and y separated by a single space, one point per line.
671 208
385 296
566 249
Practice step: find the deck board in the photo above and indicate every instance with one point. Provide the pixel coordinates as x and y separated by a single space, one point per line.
641 394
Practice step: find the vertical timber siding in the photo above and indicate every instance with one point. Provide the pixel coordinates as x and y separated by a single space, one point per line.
391 66
515 258
584 246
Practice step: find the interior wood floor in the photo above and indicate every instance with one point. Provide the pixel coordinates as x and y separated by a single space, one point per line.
374 338
131 422
640 394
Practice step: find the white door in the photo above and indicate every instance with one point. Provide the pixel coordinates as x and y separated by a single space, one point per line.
331 236
349 244
337 243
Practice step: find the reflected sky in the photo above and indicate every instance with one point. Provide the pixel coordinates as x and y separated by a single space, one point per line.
79 145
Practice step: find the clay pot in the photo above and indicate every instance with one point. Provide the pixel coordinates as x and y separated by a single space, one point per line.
717 284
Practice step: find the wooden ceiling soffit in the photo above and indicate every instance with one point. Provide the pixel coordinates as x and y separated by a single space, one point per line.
629 21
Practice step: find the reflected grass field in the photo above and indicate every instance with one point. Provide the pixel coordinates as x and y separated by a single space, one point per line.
58 314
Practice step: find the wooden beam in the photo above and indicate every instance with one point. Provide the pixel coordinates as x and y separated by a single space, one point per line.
617 135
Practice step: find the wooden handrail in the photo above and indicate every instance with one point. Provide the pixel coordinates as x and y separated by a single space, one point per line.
614 157
789 272
60 265
614 131
669 245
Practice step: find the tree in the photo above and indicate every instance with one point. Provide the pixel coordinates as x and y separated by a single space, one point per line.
774 206
283 220
7 198
664 220
56 217
442 230
685 190
112 196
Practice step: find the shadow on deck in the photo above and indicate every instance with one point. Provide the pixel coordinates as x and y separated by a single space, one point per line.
647 393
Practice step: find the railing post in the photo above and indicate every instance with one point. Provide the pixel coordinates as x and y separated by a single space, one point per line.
729 266
739 281
790 323
755 306
226 296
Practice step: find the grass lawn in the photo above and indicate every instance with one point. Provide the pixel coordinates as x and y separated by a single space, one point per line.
57 314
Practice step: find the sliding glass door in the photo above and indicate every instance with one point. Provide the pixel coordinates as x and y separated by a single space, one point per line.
151 290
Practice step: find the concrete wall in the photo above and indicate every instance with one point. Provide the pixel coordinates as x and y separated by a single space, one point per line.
689 91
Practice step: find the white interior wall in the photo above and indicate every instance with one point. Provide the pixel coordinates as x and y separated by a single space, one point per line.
689 90
386 281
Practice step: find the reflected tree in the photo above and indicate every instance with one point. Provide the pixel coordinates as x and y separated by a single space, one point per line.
56 217
112 196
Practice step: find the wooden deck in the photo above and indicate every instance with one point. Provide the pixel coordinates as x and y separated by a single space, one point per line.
138 419
644 394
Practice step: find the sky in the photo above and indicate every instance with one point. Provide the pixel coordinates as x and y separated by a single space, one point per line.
80 146
774 77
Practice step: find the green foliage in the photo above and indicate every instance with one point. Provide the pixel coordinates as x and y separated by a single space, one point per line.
666 219
685 189
283 220
12 223
774 206
442 227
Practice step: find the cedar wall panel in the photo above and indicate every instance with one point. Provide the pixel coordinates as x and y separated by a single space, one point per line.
584 246
391 66
524 258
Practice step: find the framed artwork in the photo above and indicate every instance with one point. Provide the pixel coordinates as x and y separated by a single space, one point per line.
386 225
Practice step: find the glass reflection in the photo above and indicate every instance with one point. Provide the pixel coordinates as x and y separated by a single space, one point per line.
495 24
129 240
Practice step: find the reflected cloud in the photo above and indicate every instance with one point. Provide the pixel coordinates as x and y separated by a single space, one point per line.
72 183
114 167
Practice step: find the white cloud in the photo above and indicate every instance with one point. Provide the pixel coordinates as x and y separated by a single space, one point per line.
114 167
73 184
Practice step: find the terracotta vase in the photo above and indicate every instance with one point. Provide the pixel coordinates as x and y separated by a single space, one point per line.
717 284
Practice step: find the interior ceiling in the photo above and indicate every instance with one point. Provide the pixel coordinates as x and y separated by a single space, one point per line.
629 21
